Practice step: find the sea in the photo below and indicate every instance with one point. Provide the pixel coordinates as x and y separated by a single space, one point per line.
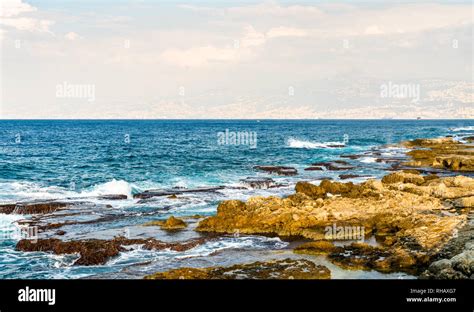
81 160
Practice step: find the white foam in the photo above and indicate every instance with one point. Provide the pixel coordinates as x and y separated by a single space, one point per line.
110 188
295 143
368 160
468 128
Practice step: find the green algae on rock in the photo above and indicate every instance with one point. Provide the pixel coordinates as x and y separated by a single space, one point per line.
278 269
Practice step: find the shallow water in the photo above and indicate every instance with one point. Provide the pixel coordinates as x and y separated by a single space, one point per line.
80 160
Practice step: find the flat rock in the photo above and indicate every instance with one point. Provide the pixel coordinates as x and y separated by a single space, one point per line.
280 170
278 269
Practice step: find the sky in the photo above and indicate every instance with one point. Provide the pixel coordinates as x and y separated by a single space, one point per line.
236 59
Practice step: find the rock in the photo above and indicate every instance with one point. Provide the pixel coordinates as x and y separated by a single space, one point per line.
176 191
460 266
278 269
403 177
350 176
320 247
442 153
361 256
171 223
32 207
351 156
258 182
280 170
334 165
464 202
98 251
172 196
314 168
310 190
113 197
469 139
407 219
464 262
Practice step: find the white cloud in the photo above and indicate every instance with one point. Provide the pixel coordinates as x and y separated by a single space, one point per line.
11 11
10 8
72 36
286 32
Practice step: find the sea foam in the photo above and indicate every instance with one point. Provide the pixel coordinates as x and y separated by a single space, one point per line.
295 143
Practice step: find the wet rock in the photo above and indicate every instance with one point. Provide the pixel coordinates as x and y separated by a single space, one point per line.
352 156
469 139
171 223
258 183
32 207
278 269
441 153
172 196
314 168
113 197
351 176
280 170
176 191
362 256
98 251
334 165
320 247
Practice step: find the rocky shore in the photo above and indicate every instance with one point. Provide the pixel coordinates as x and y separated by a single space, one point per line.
417 219
413 217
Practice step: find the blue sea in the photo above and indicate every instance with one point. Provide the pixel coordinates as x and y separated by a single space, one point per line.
80 160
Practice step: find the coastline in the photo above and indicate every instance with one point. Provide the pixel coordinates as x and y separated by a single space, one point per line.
414 221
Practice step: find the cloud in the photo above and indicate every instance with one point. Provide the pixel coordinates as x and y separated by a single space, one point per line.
287 32
10 16
10 8
72 36
242 49
269 8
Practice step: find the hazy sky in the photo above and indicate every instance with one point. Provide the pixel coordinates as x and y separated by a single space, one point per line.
235 59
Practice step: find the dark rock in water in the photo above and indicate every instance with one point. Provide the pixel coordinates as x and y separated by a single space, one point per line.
99 251
280 170
352 156
171 223
258 182
469 139
113 197
169 192
334 165
351 176
314 168
277 269
32 207
341 162
60 232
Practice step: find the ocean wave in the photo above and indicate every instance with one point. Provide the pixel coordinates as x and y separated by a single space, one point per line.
468 128
295 143
111 188
368 160
27 191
